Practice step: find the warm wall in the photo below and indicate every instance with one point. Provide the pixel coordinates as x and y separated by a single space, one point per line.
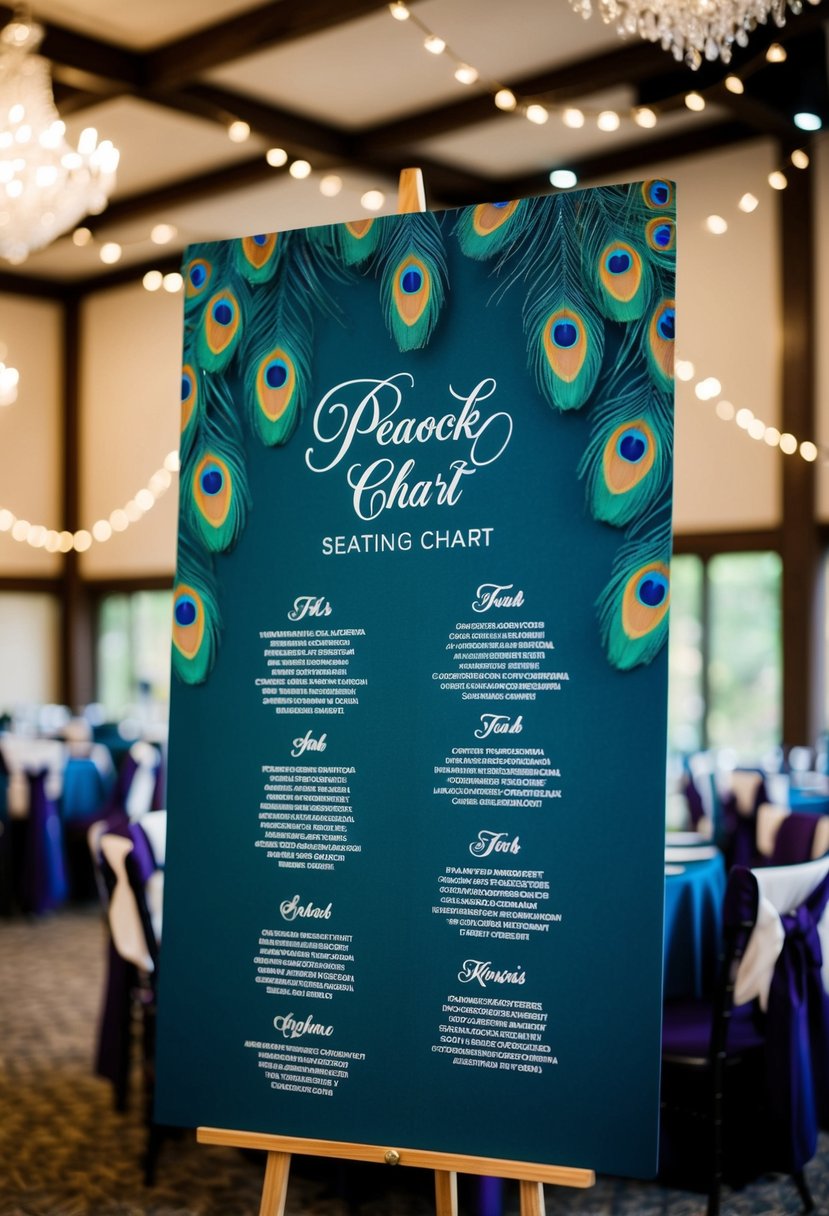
821 196
30 429
727 326
130 400
28 650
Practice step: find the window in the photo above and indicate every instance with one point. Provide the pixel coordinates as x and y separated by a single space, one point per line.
133 651
686 702
725 654
29 629
744 666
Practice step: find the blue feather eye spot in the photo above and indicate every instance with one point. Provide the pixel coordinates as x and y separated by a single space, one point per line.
222 312
652 589
276 373
198 275
186 387
659 193
618 261
662 236
411 280
666 324
632 445
564 334
500 205
260 239
212 480
185 610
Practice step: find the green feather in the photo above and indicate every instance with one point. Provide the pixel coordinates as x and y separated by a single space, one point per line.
220 324
196 619
563 326
489 228
616 262
214 492
278 343
633 608
626 466
413 278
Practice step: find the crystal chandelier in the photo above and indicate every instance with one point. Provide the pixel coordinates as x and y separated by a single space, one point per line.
46 186
692 30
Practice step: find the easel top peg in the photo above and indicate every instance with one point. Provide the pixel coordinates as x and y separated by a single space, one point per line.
411 195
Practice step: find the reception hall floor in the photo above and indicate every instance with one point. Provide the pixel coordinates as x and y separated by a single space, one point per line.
64 1151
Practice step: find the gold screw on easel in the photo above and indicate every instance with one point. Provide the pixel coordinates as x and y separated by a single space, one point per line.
392 1157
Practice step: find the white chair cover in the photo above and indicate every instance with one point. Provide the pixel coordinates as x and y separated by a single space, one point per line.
781 890
124 921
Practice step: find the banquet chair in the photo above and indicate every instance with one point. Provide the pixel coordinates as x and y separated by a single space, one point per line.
786 837
712 1064
131 868
760 1050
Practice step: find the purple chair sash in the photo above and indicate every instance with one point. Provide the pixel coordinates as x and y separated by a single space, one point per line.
797 1034
794 840
44 885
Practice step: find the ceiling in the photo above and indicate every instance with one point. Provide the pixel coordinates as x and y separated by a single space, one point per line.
343 85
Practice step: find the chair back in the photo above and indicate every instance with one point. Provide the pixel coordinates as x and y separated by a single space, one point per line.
127 925
794 840
786 967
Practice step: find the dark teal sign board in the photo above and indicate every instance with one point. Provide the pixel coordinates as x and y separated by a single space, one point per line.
415 864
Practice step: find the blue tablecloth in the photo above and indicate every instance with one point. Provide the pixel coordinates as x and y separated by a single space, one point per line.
693 921
809 800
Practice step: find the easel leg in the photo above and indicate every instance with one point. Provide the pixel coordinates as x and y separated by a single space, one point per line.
532 1198
276 1184
446 1193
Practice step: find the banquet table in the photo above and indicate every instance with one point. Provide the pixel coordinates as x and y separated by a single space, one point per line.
694 891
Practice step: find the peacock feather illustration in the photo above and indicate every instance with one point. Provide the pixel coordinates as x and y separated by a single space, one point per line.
633 608
278 341
485 230
596 274
214 493
196 621
562 321
597 270
627 462
406 252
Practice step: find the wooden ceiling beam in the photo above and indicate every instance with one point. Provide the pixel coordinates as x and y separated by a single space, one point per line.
284 127
247 33
632 157
83 61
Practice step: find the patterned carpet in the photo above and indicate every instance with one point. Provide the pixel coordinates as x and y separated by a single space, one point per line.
64 1151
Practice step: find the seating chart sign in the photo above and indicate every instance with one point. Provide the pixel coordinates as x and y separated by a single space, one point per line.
415 859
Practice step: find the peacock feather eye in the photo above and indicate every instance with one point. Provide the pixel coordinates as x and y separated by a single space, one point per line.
564 334
189 394
658 193
660 341
666 324
632 445
197 275
646 599
258 256
660 233
627 459
412 290
411 280
276 385
221 328
618 261
185 610
652 589
212 479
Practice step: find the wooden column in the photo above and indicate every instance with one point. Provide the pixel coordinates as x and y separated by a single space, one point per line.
76 640
799 542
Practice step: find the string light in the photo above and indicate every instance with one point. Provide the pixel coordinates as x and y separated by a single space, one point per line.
709 388
695 102
776 53
276 157
38 536
734 84
238 132
505 99
778 180
299 169
537 114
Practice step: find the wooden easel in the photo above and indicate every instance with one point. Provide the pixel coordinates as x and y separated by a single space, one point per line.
447 1166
